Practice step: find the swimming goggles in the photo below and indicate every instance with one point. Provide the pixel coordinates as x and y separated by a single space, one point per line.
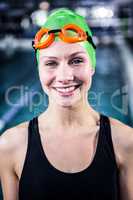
45 37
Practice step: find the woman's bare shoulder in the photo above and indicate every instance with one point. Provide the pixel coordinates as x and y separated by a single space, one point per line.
13 138
119 129
122 136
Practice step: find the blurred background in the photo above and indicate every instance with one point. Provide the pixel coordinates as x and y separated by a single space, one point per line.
21 95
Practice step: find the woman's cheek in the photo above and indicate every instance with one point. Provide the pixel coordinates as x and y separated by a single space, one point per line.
84 74
46 79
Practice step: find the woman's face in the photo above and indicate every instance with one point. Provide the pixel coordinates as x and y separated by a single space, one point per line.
65 73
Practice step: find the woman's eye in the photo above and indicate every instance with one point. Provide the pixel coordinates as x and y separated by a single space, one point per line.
51 63
76 61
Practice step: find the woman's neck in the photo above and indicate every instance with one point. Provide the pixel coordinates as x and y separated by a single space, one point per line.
71 117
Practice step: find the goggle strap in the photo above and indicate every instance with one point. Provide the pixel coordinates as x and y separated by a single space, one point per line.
54 31
89 39
33 44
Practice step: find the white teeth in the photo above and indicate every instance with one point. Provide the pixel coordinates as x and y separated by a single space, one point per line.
70 89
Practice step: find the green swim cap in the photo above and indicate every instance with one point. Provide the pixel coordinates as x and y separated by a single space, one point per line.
62 16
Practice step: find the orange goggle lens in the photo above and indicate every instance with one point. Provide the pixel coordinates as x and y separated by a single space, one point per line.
78 36
48 39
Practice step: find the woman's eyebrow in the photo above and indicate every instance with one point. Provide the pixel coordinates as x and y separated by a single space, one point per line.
53 57
71 55
74 54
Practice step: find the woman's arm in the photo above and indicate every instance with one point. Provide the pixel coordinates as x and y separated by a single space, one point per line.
126 170
122 136
9 181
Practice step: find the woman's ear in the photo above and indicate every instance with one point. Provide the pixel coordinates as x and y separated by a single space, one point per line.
92 71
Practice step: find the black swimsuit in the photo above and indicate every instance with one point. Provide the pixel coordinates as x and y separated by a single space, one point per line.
41 181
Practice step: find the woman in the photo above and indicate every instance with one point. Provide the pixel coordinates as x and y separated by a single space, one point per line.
70 151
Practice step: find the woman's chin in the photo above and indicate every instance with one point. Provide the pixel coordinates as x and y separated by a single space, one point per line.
65 105
68 102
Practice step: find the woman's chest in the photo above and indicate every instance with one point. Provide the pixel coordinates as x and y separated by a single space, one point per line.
69 153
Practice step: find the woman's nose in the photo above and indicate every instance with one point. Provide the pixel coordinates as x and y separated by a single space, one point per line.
64 74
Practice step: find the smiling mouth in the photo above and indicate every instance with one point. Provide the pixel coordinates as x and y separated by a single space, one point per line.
67 90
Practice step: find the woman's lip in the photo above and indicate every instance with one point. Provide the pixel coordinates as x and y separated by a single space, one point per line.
64 87
67 93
